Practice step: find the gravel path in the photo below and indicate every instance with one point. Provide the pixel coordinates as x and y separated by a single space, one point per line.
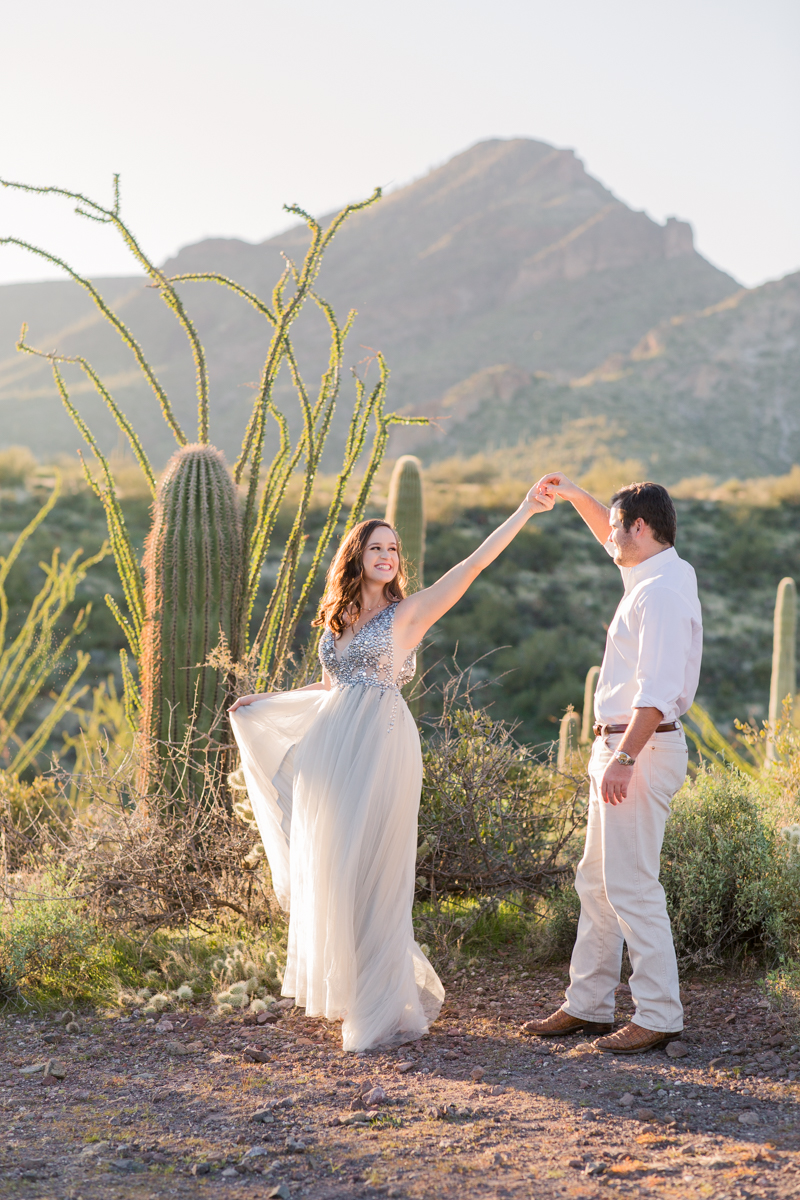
223 1108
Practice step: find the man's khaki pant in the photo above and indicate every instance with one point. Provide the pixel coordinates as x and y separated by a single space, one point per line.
621 898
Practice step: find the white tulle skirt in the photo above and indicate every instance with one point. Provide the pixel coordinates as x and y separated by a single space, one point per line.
334 779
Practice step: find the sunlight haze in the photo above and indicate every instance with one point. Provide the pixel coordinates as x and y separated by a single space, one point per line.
215 116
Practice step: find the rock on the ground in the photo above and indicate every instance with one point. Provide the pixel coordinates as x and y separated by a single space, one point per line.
353 1118
264 1116
677 1049
33 1069
255 1152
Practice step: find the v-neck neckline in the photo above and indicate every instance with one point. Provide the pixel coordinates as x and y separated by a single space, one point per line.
358 634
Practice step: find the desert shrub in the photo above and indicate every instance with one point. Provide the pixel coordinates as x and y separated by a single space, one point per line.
494 819
498 830
51 948
29 813
731 880
782 987
176 860
553 935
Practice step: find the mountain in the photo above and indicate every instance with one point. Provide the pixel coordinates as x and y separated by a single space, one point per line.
509 254
714 392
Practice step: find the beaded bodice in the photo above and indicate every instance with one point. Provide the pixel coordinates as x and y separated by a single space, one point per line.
369 657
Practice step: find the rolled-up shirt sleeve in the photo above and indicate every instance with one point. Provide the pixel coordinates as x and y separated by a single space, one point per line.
665 644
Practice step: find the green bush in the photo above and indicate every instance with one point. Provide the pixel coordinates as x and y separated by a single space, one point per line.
494 820
731 880
51 949
782 986
554 935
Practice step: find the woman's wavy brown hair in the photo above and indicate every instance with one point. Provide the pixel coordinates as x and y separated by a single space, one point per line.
343 581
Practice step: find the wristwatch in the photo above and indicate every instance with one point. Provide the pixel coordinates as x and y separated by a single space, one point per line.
624 759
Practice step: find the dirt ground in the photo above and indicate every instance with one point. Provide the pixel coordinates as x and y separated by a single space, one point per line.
223 1108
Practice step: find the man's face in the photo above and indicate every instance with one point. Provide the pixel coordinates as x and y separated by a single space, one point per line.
625 542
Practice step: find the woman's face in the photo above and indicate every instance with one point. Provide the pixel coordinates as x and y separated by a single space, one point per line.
381 558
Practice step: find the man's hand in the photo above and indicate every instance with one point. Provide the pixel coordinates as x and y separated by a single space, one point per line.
593 512
615 782
616 778
557 484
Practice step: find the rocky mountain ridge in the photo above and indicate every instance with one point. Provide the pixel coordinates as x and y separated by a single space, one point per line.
509 265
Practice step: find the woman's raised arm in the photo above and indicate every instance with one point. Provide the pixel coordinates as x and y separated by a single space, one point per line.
417 613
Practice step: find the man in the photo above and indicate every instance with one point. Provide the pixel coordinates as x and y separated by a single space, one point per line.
638 762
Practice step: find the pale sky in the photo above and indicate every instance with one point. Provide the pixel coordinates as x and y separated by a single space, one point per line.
217 114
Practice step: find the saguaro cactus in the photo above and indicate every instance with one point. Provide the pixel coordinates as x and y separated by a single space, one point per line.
405 512
194 588
784 669
590 687
568 735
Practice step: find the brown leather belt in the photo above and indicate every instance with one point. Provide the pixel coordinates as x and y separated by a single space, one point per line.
604 730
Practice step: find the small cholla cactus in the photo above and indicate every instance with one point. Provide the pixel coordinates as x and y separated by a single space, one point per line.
243 980
185 992
273 976
257 1006
158 1003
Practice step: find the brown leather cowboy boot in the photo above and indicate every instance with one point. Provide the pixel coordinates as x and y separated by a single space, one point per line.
560 1024
633 1039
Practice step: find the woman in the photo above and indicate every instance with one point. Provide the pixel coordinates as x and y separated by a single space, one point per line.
338 765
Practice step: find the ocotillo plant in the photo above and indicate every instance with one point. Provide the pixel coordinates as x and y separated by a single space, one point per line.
405 512
568 735
264 489
39 647
784 670
589 689
194 581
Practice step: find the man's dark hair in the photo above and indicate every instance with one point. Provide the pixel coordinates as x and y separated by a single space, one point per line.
653 504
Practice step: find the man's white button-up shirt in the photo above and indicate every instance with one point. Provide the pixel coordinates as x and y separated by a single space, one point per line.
654 644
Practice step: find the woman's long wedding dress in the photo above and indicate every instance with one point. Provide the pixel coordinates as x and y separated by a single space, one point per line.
334 780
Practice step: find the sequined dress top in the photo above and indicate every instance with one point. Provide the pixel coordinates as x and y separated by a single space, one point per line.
368 658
